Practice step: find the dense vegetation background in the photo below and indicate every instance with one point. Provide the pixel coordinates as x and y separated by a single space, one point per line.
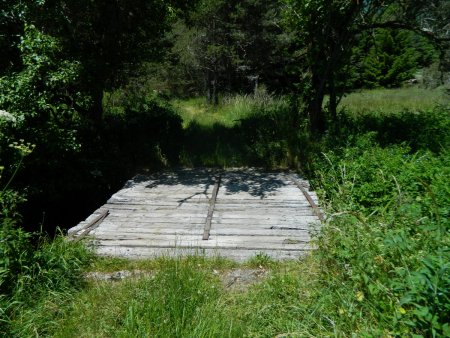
91 92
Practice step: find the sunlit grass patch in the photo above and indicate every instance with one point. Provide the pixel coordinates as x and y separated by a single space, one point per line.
230 110
183 297
394 100
176 301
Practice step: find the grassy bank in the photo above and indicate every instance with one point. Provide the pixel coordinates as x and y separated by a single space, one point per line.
381 269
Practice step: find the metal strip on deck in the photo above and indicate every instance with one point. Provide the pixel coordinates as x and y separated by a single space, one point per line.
212 203
247 212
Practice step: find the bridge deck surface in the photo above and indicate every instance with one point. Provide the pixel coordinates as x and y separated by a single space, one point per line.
250 212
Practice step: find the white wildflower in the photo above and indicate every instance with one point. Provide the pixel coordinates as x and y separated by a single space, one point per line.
5 116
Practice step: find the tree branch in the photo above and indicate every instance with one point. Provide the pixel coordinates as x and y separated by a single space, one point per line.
401 25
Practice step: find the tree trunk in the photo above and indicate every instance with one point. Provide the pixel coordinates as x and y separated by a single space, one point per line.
215 94
209 91
317 117
96 113
332 105
212 94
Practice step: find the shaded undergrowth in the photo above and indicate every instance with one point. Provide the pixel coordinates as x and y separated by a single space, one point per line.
261 131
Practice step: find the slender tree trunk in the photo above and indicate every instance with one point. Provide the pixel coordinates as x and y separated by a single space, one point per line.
317 117
212 93
332 106
96 113
214 90
209 91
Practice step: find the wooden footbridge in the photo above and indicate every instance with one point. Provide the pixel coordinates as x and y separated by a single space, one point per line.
236 213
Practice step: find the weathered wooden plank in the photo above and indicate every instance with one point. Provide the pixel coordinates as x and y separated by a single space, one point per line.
272 215
258 232
147 224
197 216
91 225
269 214
245 196
157 201
232 242
263 202
305 226
288 207
310 199
237 255
185 196
229 251
157 218
199 230
277 194
112 226
198 207
232 213
149 232
250 221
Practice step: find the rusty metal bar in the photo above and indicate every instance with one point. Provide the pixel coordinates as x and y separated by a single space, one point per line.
212 203
311 202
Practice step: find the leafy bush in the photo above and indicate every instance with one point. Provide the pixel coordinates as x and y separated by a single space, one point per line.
41 98
419 129
387 58
44 108
387 233
44 103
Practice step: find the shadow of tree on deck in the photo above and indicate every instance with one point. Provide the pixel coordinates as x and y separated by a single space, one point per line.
255 182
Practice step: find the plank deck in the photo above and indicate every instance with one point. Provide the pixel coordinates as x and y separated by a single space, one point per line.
190 211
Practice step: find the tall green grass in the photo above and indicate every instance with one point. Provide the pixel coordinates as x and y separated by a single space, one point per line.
387 235
36 275
386 101
231 109
181 299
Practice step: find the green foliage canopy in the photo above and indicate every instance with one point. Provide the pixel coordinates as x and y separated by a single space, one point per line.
327 30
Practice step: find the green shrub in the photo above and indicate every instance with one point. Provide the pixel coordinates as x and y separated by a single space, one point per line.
387 233
427 130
